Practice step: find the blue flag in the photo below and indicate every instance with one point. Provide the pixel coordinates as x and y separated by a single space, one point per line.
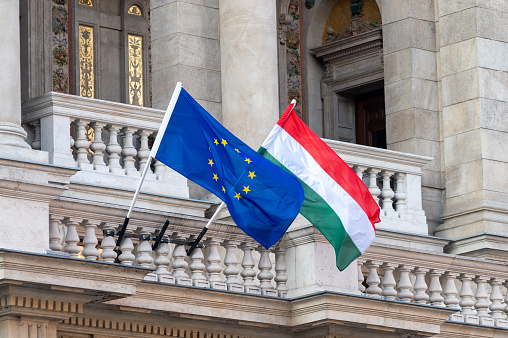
262 198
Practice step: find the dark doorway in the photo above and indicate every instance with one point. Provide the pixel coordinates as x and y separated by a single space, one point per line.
370 119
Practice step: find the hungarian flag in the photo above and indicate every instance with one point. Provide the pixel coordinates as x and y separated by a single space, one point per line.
336 201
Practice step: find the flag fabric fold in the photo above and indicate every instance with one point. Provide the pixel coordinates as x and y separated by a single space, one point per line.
262 199
336 201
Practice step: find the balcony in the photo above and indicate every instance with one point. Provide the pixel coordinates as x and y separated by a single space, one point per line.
403 284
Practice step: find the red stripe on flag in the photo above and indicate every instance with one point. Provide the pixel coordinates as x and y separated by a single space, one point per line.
331 163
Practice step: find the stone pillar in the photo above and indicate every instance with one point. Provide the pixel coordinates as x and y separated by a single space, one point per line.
11 132
248 44
474 70
411 91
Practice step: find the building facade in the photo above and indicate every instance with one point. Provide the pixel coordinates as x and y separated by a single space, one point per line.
412 94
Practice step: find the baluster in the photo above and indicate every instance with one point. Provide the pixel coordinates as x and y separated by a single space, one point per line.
265 276
214 269
387 194
129 151
72 237
114 150
162 263
54 234
280 270
496 307
144 152
98 147
126 247
404 285
160 170
482 301
450 290
82 144
435 288
420 286
388 283
506 297
400 195
197 267
373 188
373 280
248 273
231 271
466 299
90 240
361 279
179 263
358 169
108 245
36 143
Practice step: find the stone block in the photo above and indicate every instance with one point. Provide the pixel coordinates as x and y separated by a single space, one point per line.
218 285
198 20
427 124
424 94
456 317
423 34
165 51
270 292
236 287
253 289
498 5
400 126
458 26
152 277
201 283
486 321
395 11
463 147
471 319
397 96
501 323
491 24
163 20
397 66
214 108
493 84
166 279
464 178
406 146
450 7
423 10
184 281
431 149
459 57
462 117
396 36
199 52
494 114
492 54
460 87
432 179
492 141
494 174
423 64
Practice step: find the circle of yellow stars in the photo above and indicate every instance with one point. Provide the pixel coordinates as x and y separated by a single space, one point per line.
252 174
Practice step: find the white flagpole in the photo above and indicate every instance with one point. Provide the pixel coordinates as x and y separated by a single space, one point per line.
155 147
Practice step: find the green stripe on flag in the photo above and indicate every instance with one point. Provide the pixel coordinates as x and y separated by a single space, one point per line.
322 216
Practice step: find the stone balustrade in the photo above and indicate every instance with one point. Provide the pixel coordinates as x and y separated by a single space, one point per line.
394 180
109 141
217 266
478 288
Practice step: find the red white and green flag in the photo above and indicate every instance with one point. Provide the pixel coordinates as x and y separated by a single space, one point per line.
336 201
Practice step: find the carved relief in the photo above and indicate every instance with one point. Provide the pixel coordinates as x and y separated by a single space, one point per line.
86 3
60 39
135 70
86 62
135 10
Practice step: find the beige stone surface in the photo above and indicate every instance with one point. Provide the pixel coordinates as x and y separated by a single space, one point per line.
424 64
460 87
450 7
424 94
463 147
198 20
459 56
464 178
497 117
458 26
493 84
491 24
401 125
398 66
463 116
398 96
396 36
492 54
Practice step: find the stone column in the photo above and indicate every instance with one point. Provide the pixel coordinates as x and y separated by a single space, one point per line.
248 44
11 132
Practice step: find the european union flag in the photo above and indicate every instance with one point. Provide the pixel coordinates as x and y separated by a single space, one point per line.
262 198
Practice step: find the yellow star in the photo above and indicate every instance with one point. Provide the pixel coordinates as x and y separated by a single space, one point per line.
215 177
238 196
248 160
215 141
238 151
224 142
246 189
223 189
251 174
210 162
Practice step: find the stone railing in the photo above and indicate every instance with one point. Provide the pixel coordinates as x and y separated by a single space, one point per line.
262 272
393 179
478 288
108 140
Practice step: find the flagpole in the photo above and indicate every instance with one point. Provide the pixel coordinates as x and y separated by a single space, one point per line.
128 217
205 229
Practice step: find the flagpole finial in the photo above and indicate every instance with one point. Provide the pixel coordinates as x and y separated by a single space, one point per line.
293 101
